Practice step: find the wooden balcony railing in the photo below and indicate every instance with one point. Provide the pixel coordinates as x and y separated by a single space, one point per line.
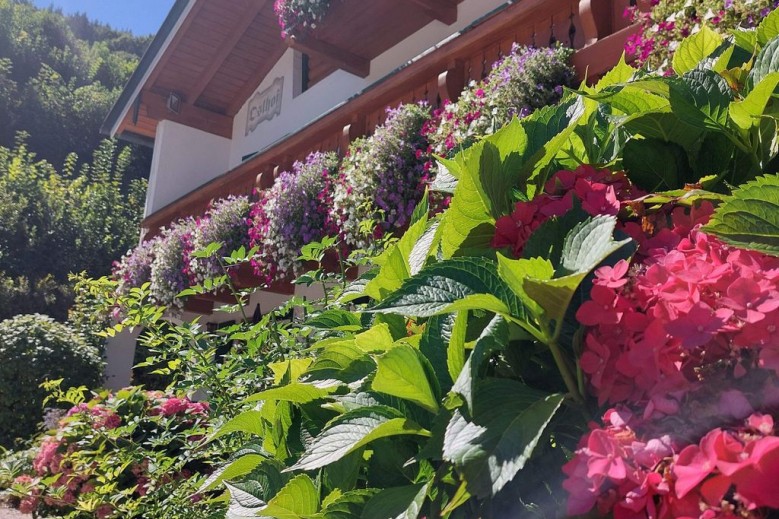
596 28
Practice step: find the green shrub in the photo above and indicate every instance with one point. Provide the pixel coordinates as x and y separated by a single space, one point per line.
35 348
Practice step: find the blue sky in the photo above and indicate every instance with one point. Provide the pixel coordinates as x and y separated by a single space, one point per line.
141 17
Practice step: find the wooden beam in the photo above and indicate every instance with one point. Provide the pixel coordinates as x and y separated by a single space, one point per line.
256 78
193 13
442 10
211 122
595 18
216 62
336 56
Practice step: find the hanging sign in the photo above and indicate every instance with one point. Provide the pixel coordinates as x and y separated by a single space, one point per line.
265 105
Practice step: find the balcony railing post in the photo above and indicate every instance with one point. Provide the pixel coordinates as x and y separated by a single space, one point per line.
596 17
350 132
452 81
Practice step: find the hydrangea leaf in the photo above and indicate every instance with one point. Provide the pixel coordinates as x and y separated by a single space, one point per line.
493 338
335 319
296 392
298 499
694 49
353 430
438 288
655 165
401 373
767 61
377 339
236 468
768 28
396 267
747 112
507 423
249 422
348 505
243 502
436 339
750 218
397 503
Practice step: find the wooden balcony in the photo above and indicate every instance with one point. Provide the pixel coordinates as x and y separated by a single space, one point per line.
595 28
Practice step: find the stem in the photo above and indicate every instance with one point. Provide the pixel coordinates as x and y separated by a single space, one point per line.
565 371
233 290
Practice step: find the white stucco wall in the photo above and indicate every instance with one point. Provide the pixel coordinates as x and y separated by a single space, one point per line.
184 158
299 111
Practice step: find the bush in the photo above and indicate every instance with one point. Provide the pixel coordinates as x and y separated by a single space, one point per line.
35 348
120 455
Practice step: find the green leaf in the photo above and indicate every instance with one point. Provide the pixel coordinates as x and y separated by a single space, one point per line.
396 267
766 62
353 430
242 503
768 28
493 338
694 49
435 340
336 319
396 503
401 373
422 209
236 468
249 422
445 181
343 361
750 218
298 499
655 165
455 352
710 97
437 288
509 419
296 392
377 339
347 506
515 272
745 38
588 244
620 73
747 113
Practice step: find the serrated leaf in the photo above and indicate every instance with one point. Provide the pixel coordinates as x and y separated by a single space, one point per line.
396 503
444 181
424 248
750 218
589 243
353 430
694 49
296 392
655 165
768 29
493 338
249 422
619 73
236 468
335 319
396 267
377 339
347 506
439 287
242 503
400 373
509 419
747 113
434 344
766 62
298 499
745 38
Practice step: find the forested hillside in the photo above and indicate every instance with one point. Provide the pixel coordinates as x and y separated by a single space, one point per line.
69 201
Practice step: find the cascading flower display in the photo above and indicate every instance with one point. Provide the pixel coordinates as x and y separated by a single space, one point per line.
383 177
291 214
670 21
170 266
134 268
296 16
226 223
526 79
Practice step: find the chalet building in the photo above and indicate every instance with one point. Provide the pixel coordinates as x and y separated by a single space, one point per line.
227 104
